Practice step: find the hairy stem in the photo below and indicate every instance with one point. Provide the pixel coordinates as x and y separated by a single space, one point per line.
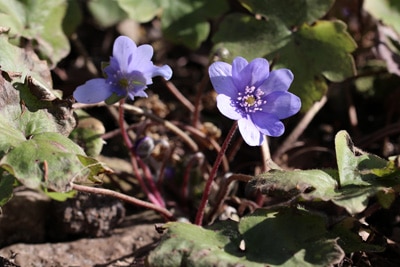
213 173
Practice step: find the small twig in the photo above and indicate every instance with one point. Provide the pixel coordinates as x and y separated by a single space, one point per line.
186 138
295 134
172 88
129 199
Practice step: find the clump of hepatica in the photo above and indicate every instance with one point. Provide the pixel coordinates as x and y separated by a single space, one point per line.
257 98
128 74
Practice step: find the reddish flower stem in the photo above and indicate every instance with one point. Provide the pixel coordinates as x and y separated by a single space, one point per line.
132 155
207 189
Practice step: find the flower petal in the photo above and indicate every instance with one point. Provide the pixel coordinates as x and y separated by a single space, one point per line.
221 78
278 80
238 64
268 124
163 71
93 91
281 104
254 74
251 135
225 107
140 59
123 49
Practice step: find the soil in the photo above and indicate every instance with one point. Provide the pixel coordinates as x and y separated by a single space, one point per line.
98 237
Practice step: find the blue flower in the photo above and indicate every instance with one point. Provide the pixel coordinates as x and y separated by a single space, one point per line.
128 74
257 98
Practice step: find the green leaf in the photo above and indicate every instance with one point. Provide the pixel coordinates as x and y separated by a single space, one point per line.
40 21
88 134
309 184
46 160
289 237
289 12
355 166
324 47
349 240
350 187
20 63
186 21
141 11
106 13
286 237
22 70
6 186
72 18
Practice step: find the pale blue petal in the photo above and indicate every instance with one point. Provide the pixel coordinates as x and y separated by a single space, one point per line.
251 135
238 64
268 124
221 78
163 71
225 107
93 91
254 74
281 104
278 80
139 93
123 49
141 58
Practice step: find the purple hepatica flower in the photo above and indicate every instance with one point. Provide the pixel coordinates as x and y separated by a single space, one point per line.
257 98
128 74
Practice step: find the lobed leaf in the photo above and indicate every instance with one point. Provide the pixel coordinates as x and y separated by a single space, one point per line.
285 237
40 21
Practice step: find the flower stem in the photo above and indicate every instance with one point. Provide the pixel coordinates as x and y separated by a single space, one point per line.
154 199
207 189
129 199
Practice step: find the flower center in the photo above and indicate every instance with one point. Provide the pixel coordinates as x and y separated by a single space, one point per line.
250 100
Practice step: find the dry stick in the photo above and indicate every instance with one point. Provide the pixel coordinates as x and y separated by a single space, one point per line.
295 134
172 88
167 124
129 199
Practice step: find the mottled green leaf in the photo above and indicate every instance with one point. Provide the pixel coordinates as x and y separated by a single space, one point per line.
286 237
349 187
289 237
46 160
88 134
39 21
